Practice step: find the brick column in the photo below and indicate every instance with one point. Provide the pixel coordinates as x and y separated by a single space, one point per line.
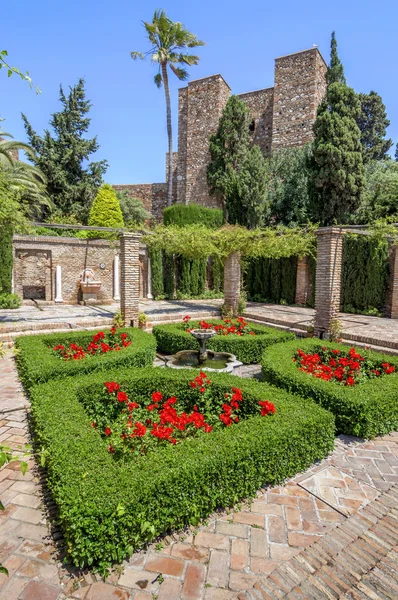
392 294
328 278
303 280
129 277
232 271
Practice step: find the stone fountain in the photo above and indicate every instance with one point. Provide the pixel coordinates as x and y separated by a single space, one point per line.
203 358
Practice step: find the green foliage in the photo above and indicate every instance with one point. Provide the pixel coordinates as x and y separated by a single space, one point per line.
364 274
37 362
217 269
271 280
188 214
228 148
202 268
380 196
8 300
61 154
156 272
133 209
368 409
335 71
288 186
372 123
184 281
168 274
336 165
123 505
6 259
105 212
197 241
252 189
247 348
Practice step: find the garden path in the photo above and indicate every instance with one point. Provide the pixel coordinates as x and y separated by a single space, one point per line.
285 539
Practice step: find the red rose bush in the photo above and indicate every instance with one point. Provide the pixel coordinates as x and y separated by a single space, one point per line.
101 343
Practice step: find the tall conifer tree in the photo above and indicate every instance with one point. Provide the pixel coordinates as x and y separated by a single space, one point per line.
61 154
373 123
337 165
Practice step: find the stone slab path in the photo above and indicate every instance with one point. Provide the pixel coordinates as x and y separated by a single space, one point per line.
235 554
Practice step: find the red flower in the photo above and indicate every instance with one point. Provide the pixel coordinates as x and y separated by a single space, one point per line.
267 407
192 384
202 390
98 336
108 431
157 396
112 387
93 424
186 318
122 397
111 449
139 430
132 405
112 330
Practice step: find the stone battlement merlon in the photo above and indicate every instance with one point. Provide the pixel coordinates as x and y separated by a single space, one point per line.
315 49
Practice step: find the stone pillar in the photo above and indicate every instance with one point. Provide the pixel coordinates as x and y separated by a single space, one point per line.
392 294
129 277
303 280
58 284
328 278
232 272
116 278
149 276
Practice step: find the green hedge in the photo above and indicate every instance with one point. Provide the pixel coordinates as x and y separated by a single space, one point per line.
109 508
364 273
6 259
37 363
367 409
182 214
156 259
271 279
247 348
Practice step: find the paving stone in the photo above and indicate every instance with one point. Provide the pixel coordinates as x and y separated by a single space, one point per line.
103 591
35 569
13 588
28 515
239 554
188 552
232 529
217 573
248 518
169 589
193 582
139 580
212 540
165 565
35 590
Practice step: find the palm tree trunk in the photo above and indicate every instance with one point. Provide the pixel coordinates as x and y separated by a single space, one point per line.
170 136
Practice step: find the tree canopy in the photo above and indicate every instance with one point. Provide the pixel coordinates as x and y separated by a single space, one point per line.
61 154
372 123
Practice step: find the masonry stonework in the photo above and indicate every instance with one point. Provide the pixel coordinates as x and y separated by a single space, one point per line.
153 196
392 292
36 259
232 282
129 278
328 278
303 281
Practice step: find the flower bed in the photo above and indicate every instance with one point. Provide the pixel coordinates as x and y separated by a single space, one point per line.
139 427
359 387
247 343
112 503
44 357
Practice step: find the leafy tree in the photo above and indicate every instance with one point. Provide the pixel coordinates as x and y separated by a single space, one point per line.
336 165
228 149
335 72
61 154
288 186
372 123
380 196
396 152
133 209
252 189
167 39
14 70
105 212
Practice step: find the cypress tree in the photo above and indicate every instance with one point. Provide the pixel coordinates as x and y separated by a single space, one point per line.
105 212
202 276
6 261
194 288
228 148
336 164
155 256
169 275
184 283
62 154
372 123
252 189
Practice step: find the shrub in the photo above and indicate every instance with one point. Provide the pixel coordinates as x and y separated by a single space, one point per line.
10 301
155 256
122 504
248 349
271 280
6 260
181 214
105 212
368 409
37 361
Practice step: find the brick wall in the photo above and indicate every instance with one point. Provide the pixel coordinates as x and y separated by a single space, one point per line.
260 105
328 278
299 88
153 196
303 281
35 260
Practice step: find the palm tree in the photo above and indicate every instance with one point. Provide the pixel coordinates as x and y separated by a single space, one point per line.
167 39
29 181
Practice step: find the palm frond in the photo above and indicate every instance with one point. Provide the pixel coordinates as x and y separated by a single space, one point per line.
182 74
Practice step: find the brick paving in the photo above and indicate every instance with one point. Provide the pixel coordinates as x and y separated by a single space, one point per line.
233 555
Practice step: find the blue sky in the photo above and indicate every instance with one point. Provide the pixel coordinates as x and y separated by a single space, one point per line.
58 41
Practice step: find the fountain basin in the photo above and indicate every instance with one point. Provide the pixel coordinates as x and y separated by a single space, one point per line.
222 362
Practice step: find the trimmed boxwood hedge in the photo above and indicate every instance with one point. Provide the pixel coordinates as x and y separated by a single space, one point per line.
37 363
247 348
366 409
108 508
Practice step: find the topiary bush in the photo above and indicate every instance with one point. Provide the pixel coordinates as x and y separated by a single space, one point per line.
187 214
271 280
37 362
248 349
105 212
367 409
123 504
